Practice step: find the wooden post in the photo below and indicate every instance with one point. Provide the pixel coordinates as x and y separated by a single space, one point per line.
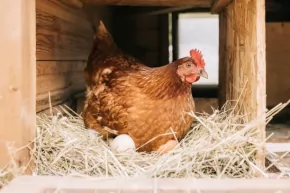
243 60
17 80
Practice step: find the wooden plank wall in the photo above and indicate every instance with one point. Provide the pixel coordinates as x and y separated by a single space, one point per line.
63 40
278 62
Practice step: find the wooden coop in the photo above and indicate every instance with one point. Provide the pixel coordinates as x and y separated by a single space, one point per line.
45 44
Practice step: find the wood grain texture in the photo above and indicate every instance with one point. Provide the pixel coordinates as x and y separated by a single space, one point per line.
55 45
63 10
58 97
17 85
56 67
53 82
278 62
219 5
52 22
61 78
63 31
245 60
195 3
64 37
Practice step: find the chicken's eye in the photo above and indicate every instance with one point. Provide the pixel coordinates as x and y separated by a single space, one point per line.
188 65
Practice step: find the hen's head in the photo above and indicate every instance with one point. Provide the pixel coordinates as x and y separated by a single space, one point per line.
192 68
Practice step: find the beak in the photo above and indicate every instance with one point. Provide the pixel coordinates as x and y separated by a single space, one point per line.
203 73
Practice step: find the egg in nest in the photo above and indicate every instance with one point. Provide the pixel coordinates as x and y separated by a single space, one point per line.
122 144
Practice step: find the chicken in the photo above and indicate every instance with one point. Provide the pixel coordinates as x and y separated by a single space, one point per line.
125 96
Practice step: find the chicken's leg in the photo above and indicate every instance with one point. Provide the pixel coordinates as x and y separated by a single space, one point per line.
167 146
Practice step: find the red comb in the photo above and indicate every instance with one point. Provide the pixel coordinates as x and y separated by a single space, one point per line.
197 56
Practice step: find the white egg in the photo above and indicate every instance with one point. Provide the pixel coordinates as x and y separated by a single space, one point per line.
122 143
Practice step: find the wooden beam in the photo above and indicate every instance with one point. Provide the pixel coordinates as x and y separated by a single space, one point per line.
50 184
165 11
244 60
180 9
195 3
219 5
17 83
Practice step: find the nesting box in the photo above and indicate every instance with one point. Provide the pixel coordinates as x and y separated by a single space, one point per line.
45 45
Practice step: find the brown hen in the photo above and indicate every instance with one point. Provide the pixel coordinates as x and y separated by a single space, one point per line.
125 96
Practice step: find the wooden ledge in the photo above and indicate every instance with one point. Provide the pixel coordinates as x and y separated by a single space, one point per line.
49 184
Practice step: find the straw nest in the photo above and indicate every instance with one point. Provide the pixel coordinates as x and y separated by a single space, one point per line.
219 145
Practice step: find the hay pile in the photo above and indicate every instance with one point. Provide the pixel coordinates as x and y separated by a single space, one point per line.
219 145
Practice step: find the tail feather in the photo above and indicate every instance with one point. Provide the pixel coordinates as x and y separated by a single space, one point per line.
103 37
103 47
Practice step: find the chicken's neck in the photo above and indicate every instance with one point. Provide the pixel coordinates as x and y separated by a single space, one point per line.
164 83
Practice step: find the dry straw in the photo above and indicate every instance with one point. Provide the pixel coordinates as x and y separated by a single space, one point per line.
219 145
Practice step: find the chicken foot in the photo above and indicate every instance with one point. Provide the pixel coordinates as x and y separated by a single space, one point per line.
169 145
